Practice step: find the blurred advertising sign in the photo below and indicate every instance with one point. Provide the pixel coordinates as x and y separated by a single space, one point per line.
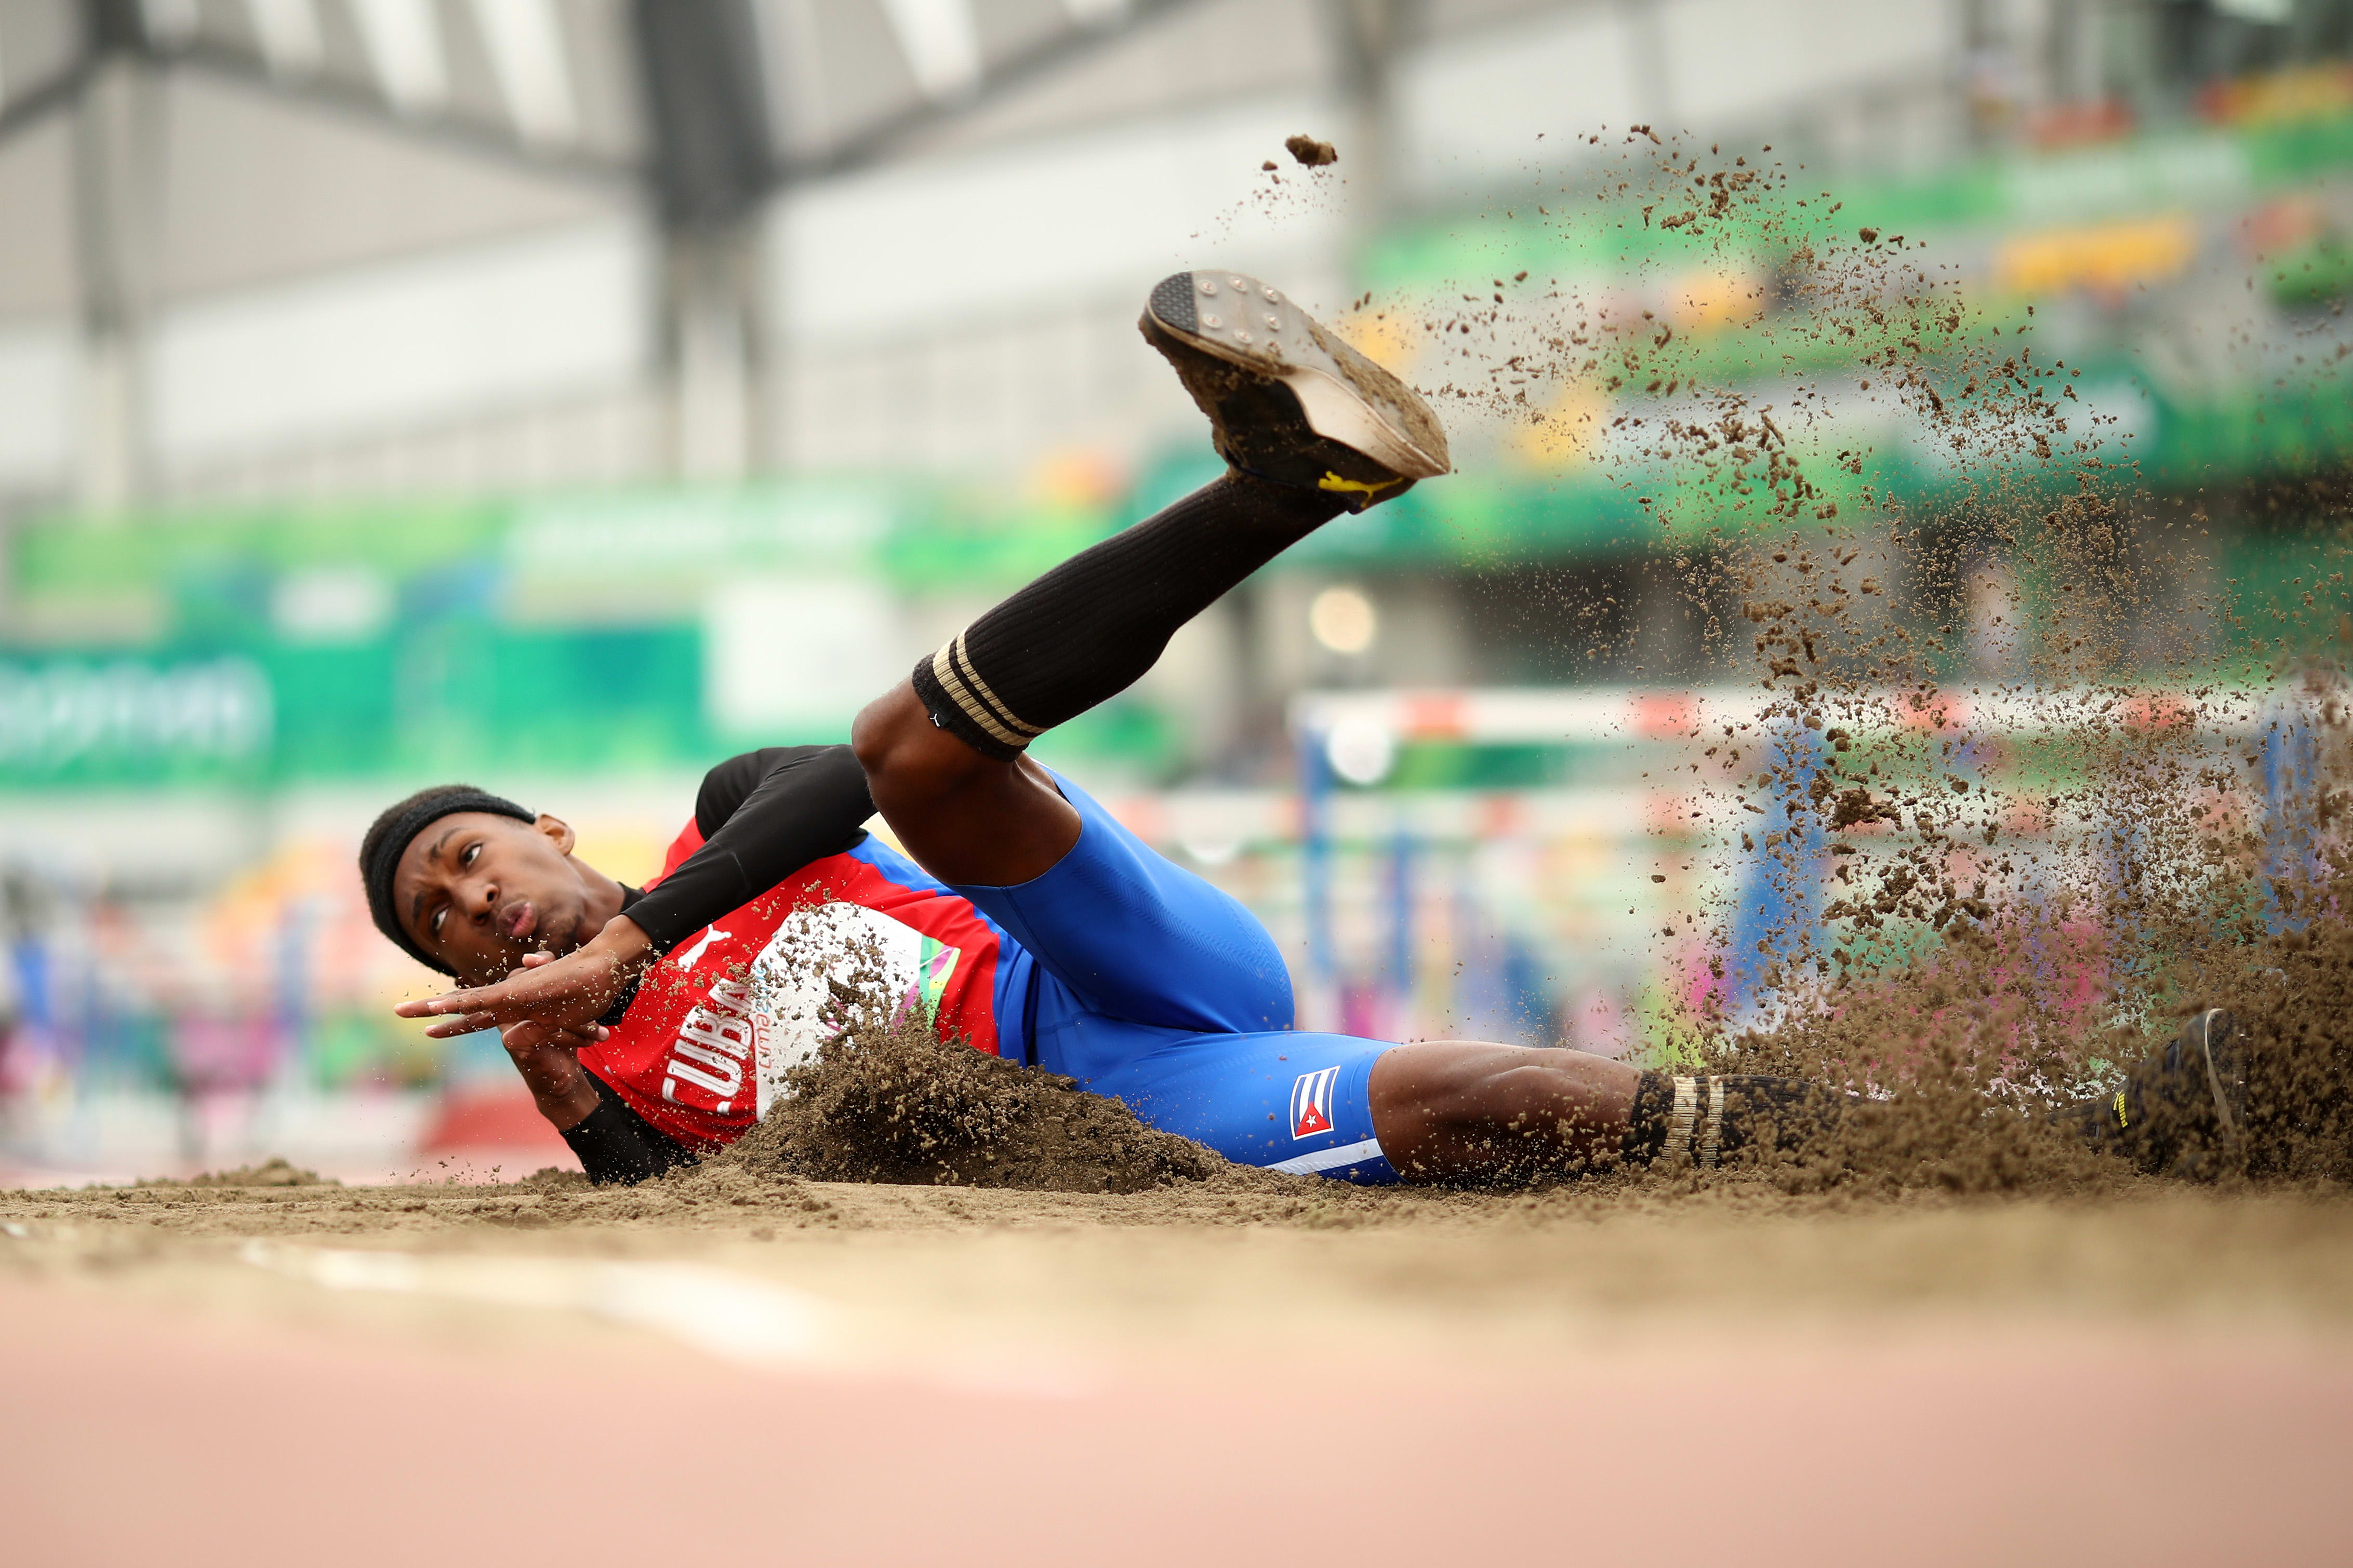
134 718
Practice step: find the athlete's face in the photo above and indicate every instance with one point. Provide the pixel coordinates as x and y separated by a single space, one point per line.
478 890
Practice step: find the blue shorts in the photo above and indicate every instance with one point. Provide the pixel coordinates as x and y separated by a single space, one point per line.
1155 988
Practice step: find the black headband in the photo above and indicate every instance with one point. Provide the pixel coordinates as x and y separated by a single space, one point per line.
377 872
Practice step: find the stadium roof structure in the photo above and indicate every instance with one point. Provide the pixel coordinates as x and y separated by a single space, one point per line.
164 159
717 100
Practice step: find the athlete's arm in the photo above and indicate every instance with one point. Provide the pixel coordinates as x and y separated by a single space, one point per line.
763 816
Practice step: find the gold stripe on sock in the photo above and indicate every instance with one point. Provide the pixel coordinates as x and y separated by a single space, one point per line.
1712 1141
1679 1124
962 658
952 685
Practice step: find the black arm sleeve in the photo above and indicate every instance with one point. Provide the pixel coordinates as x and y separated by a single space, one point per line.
615 1145
764 816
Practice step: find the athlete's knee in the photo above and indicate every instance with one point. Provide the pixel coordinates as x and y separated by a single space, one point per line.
908 759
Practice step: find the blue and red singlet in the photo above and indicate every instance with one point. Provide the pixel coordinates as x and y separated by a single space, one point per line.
1116 967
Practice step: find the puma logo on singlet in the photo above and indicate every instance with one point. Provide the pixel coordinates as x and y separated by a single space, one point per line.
693 956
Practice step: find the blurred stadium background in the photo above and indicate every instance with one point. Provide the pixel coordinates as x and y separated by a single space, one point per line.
561 395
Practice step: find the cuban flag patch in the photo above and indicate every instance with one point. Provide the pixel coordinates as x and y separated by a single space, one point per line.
1311 1102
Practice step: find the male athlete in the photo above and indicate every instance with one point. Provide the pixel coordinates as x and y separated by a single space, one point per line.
653 1025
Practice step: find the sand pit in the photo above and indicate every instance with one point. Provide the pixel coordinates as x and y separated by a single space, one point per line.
1150 1324
1460 1376
938 1198
1195 1274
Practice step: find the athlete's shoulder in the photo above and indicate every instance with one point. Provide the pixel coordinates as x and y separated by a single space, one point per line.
689 840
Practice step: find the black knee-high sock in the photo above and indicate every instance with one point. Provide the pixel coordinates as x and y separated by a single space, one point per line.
1704 1119
1088 628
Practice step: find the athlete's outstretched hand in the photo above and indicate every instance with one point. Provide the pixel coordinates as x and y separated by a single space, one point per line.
550 1064
564 996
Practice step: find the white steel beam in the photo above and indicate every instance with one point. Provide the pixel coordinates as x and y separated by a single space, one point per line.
525 39
404 45
940 43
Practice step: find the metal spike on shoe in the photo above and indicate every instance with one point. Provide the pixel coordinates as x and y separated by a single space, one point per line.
1287 400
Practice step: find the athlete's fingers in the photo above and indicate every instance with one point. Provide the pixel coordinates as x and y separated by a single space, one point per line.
447 1002
522 990
443 1027
555 1012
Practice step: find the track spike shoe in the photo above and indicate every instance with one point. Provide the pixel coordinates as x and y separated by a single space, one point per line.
1287 400
2208 1061
2183 1111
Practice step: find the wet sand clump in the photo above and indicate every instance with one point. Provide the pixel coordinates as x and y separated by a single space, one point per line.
895 1103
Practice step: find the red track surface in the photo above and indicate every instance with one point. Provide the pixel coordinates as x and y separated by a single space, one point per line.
500 1118
136 1435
